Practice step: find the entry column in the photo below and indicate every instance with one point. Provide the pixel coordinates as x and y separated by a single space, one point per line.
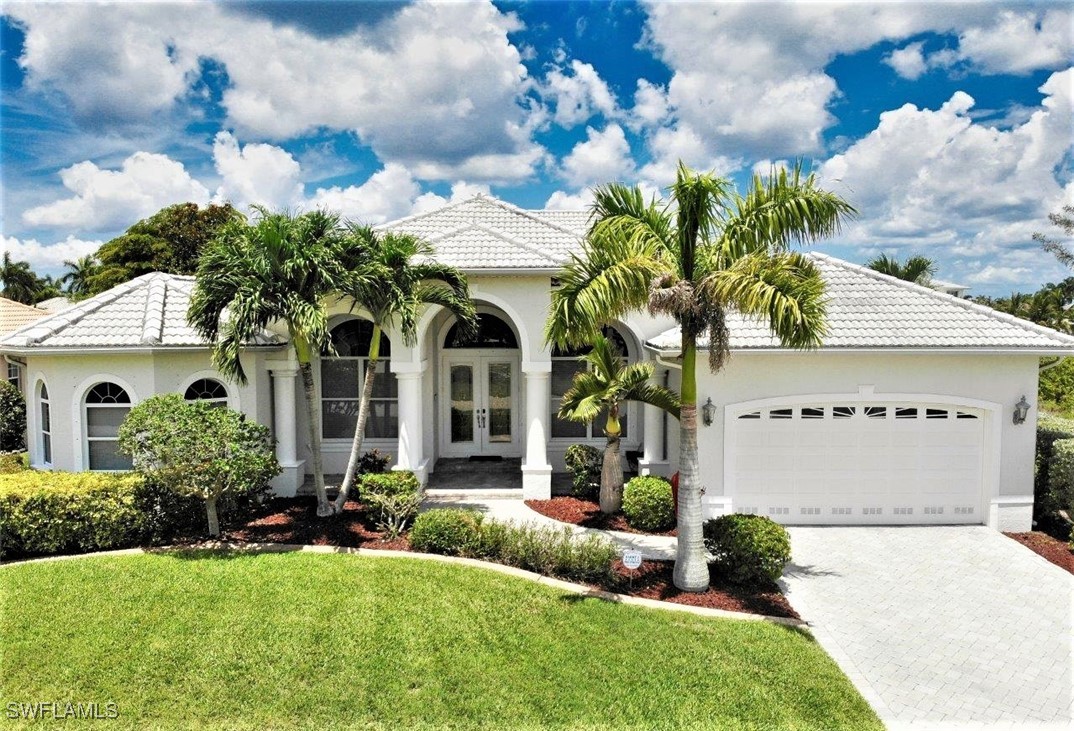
653 461
536 471
285 426
411 422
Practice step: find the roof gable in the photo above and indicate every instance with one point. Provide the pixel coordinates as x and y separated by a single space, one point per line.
14 315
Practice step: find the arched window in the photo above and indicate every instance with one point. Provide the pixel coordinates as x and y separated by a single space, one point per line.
565 365
107 405
207 389
46 424
342 377
492 332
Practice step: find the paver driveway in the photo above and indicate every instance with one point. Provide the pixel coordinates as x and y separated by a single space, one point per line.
940 627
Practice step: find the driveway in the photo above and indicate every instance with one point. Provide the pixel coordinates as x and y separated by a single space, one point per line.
940 627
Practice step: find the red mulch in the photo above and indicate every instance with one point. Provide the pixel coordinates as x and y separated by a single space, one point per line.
1045 545
586 513
294 520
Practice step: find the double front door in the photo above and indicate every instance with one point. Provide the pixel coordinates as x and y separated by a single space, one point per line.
479 406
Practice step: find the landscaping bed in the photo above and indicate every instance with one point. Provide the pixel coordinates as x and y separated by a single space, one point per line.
586 513
1053 549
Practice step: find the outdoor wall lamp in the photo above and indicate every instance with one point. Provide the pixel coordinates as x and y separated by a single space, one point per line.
1021 411
708 412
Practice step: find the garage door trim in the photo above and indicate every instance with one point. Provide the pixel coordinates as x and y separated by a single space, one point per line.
991 428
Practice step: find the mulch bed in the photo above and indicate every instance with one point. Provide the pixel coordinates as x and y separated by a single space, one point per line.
294 520
1053 549
586 513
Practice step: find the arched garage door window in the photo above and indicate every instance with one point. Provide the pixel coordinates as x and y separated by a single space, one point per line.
107 405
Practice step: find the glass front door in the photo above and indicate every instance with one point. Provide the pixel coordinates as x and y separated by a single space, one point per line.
481 411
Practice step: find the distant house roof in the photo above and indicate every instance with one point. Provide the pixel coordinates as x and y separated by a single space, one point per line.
867 309
482 233
940 285
54 304
147 312
14 315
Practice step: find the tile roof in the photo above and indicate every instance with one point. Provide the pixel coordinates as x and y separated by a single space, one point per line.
867 309
483 233
149 311
55 304
14 315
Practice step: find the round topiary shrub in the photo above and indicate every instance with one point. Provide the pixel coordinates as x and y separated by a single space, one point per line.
648 504
12 418
748 549
449 531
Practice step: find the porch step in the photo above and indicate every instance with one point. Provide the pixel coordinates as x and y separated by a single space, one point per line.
473 494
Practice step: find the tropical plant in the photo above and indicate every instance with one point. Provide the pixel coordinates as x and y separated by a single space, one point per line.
76 281
1064 220
19 281
280 268
409 281
12 418
918 269
600 390
584 463
706 251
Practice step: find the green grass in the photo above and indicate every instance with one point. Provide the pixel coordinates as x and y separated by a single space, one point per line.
281 641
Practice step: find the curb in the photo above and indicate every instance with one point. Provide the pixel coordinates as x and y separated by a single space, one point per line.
586 591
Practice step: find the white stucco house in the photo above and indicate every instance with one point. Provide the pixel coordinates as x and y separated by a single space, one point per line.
904 416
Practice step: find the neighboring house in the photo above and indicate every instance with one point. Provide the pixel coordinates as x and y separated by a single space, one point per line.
55 304
955 290
903 416
14 315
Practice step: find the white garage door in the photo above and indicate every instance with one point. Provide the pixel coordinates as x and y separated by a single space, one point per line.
857 464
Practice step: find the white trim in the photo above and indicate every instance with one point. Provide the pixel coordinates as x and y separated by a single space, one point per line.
484 300
212 374
35 434
78 414
886 350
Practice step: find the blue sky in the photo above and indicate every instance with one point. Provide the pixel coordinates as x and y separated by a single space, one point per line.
949 126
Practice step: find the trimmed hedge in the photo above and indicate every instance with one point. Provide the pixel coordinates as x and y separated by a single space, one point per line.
648 504
584 463
450 531
748 549
1053 485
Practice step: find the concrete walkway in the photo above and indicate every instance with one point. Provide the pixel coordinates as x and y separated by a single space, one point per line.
940 627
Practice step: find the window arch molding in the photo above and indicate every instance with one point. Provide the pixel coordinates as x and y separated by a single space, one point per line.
78 410
233 400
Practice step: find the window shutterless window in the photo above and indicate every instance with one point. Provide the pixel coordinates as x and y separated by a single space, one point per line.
207 389
342 376
107 405
45 410
565 365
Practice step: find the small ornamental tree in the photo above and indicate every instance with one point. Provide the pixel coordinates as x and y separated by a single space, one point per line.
195 448
12 418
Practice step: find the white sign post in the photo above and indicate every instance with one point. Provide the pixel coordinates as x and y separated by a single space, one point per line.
632 561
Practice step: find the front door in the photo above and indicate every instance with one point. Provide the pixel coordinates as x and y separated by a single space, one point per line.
480 406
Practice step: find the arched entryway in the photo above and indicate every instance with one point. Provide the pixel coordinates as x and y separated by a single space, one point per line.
479 411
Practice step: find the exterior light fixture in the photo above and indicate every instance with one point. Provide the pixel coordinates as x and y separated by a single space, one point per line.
1021 411
708 412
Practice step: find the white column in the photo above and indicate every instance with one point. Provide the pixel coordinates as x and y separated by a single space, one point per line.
285 424
652 461
411 453
536 471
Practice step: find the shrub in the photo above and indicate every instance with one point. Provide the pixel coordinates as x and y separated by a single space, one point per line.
195 448
648 504
450 531
11 462
551 550
12 418
392 499
1054 473
1059 490
584 463
373 462
748 548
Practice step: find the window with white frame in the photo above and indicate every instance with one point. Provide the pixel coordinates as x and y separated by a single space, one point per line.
342 377
107 405
14 375
565 365
46 424
207 389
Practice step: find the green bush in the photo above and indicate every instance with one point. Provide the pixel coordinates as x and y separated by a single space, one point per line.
391 499
584 463
1053 479
550 550
373 462
648 504
449 531
11 462
748 548
12 418
1059 490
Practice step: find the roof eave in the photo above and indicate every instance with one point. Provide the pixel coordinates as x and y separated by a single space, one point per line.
912 350
112 349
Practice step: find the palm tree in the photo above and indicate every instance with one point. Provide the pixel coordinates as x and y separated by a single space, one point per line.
395 299
20 282
600 389
708 251
76 281
917 269
280 268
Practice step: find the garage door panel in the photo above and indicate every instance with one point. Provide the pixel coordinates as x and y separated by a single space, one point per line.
859 464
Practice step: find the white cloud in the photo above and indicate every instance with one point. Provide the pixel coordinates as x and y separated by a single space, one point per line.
908 62
460 191
603 156
106 200
256 173
992 274
1020 42
561 200
650 105
388 194
578 95
42 256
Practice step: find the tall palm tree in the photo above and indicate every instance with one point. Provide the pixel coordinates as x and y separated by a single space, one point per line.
408 282
280 268
600 389
917 269
20 282
76 281
707 251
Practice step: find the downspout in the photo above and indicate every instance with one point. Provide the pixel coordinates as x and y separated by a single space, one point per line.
1048 367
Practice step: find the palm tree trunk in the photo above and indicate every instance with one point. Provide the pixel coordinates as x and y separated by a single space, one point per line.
214 519
323 506
611 472
691 569
363 417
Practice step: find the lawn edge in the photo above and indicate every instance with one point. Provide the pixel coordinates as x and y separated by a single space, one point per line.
586 591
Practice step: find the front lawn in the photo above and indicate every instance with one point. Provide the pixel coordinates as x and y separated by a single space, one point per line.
278 641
